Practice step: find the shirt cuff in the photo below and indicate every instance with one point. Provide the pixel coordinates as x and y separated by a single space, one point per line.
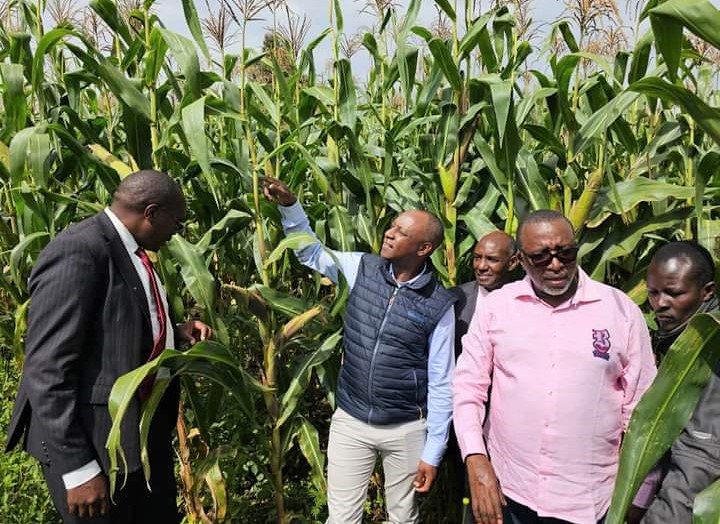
81 475
471 443
433 453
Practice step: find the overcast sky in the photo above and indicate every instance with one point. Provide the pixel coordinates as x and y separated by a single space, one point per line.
171 13
542 12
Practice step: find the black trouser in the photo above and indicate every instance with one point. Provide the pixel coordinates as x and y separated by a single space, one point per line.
133 504
516 513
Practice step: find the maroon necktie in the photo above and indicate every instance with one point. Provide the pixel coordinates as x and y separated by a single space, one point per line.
159 344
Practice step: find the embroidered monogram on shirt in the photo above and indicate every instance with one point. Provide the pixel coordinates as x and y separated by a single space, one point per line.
601 343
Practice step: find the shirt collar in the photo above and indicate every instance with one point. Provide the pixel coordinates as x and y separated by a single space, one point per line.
587 290
407 282
125 236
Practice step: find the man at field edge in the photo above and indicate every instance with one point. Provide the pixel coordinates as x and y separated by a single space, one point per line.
681 284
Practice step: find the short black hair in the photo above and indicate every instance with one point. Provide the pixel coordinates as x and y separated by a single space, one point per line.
541 216
702 266
142 188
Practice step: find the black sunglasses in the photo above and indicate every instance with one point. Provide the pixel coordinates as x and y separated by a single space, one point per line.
566 255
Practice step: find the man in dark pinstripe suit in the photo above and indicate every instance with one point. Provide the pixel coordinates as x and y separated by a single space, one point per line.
98 310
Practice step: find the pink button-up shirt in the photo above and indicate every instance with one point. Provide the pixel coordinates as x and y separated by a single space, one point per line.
564 384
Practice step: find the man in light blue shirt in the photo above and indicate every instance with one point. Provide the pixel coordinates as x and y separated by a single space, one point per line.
394 391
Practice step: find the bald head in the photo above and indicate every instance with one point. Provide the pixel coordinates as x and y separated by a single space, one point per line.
412 237
430 225
151 206
500 239
142 188
494 260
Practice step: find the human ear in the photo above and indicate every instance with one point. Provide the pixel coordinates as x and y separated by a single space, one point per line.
150 211
425 249
708 290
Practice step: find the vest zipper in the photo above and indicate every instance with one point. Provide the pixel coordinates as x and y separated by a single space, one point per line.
374 354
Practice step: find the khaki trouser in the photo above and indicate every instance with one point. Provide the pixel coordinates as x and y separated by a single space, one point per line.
352 451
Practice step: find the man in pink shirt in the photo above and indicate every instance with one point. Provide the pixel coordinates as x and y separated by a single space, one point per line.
568 358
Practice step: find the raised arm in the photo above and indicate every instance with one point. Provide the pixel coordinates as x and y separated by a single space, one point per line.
315 256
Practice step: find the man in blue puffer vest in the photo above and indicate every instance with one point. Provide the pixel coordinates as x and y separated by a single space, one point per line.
394 393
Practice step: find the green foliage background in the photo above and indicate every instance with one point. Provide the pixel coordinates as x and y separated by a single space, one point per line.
23 496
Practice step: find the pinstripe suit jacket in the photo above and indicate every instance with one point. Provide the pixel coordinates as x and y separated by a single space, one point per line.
88 323
464 308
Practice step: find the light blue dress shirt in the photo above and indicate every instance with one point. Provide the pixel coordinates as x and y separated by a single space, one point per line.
441 356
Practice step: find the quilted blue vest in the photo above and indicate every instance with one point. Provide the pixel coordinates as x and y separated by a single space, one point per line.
383 379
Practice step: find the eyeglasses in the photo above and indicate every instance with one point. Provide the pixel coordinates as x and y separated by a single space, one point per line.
566 255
